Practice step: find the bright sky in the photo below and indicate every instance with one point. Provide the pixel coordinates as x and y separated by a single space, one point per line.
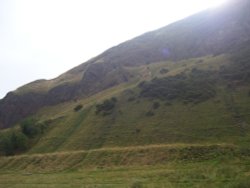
44 38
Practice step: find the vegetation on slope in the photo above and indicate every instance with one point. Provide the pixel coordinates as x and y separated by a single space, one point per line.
194 87
21 138
205 110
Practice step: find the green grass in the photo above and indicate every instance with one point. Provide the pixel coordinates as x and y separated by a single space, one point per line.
198 174
149 166
207 122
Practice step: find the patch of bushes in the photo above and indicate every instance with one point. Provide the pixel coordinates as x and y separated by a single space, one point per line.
20 139
78 107
195 87
106 107
13 142
31 128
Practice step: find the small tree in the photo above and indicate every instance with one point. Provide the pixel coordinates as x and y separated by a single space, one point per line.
30 128
12 142
19 141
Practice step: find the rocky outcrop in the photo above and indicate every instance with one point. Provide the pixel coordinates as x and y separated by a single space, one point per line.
15 107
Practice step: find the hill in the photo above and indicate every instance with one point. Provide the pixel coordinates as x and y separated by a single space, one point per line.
184 83
188 82
211 32
170 108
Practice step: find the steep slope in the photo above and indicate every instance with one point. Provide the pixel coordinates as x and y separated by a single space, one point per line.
211 32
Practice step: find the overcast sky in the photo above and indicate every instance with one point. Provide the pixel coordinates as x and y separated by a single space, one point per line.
44 38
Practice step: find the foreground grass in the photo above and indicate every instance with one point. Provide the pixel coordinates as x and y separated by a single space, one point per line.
212 173
176 165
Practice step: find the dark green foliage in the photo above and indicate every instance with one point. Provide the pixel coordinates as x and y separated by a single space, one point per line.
13 142
194 87
20 139
30 127
78 107
106 107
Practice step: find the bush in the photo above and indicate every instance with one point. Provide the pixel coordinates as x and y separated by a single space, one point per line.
195 87
20 139
13 142
106 107
30 127
78 107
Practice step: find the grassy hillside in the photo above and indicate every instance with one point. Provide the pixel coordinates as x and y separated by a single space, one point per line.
139 118
170 108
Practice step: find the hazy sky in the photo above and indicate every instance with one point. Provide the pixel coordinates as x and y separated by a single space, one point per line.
44 38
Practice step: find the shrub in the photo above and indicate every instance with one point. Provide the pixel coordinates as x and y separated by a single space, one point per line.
30 127
19 141
12 142
195 87
106 107
78 107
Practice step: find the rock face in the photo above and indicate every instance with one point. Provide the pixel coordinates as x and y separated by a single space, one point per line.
210 32
15 107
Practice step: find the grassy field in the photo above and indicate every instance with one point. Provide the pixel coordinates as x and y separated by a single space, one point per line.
148 166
